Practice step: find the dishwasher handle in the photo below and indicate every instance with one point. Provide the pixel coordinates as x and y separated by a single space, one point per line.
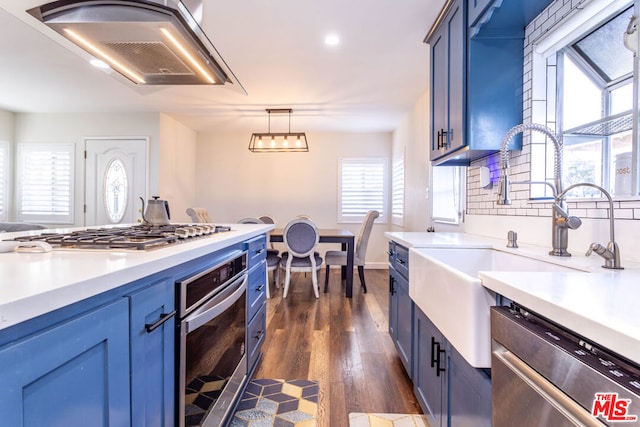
545 389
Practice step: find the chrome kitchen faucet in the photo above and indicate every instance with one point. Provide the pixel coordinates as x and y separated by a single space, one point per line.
561 221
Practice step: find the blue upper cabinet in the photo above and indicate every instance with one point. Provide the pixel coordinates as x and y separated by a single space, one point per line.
447 82
476 76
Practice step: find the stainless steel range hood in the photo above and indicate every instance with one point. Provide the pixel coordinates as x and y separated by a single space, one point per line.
148 42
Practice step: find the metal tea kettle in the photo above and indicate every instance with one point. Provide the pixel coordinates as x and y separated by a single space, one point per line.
156 212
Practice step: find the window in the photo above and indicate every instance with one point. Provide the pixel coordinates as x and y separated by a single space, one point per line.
594 83
4 179
363 186
397 192
447 186
45 183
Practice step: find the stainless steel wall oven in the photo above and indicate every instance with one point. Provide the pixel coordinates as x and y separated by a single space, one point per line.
212 363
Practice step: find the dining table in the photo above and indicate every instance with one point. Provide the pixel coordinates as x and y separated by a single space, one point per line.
332 235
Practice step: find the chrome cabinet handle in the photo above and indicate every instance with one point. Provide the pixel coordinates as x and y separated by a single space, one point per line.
150 327
259 288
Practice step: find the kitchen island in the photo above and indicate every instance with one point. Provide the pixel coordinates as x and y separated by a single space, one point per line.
89 337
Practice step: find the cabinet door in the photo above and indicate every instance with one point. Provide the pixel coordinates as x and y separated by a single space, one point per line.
393 304
456 31
447 82
153 355
439 85
73 374
469 393
430 370
404 340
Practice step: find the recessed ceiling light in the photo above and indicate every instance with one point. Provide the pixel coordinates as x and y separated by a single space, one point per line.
98 63
332 40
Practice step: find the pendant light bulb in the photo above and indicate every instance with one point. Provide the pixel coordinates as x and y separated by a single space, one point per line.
273 141
260 142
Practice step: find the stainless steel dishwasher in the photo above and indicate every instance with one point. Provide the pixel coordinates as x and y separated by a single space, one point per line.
543 375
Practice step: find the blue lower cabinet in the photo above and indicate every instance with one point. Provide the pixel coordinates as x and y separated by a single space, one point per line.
450 391
256 289
431 367
152 333
469 393
256 333
72 374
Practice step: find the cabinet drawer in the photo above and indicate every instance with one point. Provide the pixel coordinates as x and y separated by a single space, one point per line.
256 250
256 333
392 253
256 289
401 263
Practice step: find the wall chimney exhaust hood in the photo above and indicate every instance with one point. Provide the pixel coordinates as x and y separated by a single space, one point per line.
148 42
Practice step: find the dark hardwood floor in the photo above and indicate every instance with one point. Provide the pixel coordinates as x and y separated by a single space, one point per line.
342 343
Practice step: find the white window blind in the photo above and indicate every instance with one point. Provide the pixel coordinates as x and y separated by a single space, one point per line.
363 186
397 192
45 183
4 179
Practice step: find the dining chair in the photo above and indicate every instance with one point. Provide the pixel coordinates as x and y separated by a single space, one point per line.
268 219
340 257
301 239
199 215
273 258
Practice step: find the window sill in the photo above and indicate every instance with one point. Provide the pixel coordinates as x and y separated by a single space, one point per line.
540 201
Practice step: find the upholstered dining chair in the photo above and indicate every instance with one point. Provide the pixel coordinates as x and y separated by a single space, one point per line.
199 215
301 239
273 259
268 219
362 240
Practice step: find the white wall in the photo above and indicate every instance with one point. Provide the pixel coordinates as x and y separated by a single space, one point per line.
74 127
6 125
233 183
413 138
177 172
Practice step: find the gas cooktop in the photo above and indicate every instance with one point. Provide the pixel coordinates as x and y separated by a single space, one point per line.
136 237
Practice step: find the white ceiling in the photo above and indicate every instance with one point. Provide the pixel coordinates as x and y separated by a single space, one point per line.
276 50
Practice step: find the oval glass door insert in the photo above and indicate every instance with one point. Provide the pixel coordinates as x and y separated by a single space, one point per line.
115 190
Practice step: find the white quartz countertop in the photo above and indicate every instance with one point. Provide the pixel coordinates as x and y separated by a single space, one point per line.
32 284
599 304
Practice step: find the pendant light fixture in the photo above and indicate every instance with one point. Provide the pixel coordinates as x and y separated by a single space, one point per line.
279 142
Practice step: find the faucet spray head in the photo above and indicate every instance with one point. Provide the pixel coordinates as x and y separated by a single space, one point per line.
503 188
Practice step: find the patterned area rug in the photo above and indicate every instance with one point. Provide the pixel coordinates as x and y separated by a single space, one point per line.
278 403
359 419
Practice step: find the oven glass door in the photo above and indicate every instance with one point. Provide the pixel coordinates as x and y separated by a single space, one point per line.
212 356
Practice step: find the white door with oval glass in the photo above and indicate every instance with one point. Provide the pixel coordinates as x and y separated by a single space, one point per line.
116 176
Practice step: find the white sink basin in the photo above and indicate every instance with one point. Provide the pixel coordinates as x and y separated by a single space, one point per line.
444 283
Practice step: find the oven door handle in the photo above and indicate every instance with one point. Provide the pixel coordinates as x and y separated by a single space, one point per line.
217 305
